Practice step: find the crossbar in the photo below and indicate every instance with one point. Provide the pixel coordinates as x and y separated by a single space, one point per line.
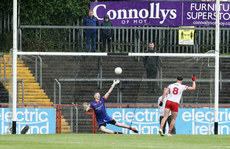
121 54
137 80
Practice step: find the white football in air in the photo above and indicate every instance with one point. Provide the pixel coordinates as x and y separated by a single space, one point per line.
118 70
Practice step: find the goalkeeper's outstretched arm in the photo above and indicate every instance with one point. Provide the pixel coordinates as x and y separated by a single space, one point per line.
115 82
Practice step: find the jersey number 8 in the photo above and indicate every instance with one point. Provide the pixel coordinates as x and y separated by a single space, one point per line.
175 90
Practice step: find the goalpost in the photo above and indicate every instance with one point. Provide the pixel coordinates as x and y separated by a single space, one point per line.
14 78
16 53
217 46
188 64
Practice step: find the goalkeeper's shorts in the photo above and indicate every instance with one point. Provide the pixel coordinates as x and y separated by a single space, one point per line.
113 122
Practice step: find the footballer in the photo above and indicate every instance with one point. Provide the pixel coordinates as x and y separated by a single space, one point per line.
174 92
98 105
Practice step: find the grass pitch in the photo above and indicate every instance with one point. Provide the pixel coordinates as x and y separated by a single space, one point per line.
106 141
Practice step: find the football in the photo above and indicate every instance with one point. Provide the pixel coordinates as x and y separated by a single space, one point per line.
118 70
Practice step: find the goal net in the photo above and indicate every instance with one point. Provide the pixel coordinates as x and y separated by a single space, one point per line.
73 78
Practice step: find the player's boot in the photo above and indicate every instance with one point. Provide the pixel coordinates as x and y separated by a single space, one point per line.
161 132
117 132
25 129
169 135
133 129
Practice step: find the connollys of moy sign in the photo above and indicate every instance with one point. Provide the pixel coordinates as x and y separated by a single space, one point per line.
162 13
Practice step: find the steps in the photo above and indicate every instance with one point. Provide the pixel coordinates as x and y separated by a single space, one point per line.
32 91
28 79
85 67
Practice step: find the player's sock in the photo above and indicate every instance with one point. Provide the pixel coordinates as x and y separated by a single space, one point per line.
133 129
161 128
169 132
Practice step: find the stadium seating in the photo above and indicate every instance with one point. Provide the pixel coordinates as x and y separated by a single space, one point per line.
33 94
133 92
4 98
224 92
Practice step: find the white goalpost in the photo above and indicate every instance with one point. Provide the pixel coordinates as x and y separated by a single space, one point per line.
186 57
217 46
17 53
14 79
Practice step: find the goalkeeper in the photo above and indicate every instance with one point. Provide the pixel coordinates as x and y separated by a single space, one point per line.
101 115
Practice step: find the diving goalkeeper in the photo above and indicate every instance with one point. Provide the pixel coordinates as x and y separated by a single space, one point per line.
98 105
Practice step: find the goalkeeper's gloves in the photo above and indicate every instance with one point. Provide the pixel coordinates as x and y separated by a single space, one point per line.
85 106
161 104
115 82
193 77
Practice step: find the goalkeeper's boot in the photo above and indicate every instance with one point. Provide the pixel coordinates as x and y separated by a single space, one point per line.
133 129
161 132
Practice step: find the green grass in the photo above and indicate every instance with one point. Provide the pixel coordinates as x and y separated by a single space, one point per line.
105 141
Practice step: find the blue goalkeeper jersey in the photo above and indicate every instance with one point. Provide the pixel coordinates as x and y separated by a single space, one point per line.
100 111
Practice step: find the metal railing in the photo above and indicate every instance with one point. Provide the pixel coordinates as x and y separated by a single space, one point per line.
4 60
72 108
23 88
76 108
99 74
59 91
72 117
22 84
135 39
119 91
36 69
8 80
160 77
